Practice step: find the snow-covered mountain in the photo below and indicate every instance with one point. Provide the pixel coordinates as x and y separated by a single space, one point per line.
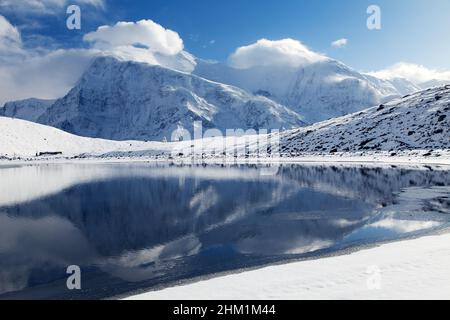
412 127
29 109
420 121
397 87
421 76
433 83
123 100
318 90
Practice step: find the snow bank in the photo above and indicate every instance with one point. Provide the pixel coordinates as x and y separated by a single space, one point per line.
25 139
413 269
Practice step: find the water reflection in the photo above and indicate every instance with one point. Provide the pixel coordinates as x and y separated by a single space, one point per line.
141 225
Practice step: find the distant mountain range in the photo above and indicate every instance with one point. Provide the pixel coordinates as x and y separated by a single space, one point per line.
29 109
317 91
420 121
123 100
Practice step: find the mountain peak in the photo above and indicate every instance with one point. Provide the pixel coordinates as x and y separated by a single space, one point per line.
125 100
318 90
183 61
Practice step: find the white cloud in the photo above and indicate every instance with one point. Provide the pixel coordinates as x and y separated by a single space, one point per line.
340 43
415 73
10 39
286 52
36 73
136 39
44 7
49 74
46 76
95 3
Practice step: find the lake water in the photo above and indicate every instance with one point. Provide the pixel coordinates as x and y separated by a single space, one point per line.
136 226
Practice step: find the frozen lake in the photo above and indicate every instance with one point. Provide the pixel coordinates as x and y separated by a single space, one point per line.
140 226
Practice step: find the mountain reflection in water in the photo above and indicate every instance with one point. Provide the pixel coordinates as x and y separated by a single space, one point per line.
132 226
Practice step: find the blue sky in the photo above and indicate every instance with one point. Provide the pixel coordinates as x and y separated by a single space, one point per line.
416 31
413 30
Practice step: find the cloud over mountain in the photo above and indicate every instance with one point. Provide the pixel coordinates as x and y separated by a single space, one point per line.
10 39
285 52
27 72
413 72
144 35
49 74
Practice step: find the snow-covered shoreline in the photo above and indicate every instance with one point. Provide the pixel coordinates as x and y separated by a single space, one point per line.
413 129
409 269
342 159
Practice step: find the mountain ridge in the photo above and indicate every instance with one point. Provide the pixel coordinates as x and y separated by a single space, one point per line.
28 109
418 121
124 100
318 91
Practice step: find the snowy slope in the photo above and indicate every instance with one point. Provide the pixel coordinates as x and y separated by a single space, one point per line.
415 125
23 138
123 100
318 91
418 121
413 269
29 109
